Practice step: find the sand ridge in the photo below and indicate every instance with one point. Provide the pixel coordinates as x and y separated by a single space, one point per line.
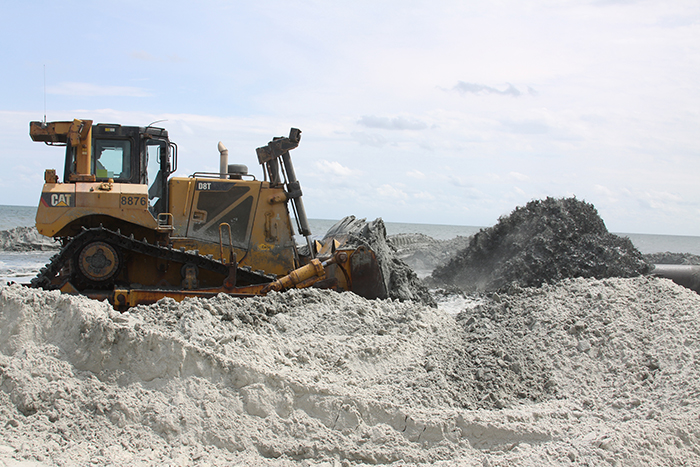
597 372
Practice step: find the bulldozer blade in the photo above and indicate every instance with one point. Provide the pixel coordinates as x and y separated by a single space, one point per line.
367 280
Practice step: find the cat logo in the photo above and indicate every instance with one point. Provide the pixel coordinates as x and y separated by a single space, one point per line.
62 200
58 200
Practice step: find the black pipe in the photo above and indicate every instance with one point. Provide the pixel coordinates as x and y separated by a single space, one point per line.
686 275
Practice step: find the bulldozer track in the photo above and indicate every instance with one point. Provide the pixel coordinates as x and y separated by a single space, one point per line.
44 279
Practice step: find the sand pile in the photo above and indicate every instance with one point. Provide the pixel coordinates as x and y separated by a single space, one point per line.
594 372
543 242
25 239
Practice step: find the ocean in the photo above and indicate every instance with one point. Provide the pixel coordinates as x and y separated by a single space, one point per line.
22 266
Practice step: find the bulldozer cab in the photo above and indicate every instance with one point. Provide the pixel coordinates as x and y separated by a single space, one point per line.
115 154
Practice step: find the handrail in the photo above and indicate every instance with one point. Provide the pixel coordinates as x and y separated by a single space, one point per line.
221 242
218 175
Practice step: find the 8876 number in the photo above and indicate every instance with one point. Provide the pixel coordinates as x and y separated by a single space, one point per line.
133 201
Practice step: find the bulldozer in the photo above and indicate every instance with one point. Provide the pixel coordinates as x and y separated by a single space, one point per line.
132 233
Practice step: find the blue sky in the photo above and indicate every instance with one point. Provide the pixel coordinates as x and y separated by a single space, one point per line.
449 112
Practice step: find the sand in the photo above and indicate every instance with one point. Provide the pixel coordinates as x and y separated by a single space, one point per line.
575 371
542 242
583 372
26 239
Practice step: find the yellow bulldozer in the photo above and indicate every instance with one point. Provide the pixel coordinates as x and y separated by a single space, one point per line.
132 233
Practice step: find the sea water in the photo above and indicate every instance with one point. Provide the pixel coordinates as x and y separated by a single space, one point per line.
16 216
21 267
645 243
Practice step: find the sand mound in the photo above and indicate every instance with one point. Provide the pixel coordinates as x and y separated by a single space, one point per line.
543 242
25 239
596 372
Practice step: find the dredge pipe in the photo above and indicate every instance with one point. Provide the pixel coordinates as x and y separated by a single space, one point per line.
686 275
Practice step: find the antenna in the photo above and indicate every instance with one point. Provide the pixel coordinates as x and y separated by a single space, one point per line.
44 94
157 121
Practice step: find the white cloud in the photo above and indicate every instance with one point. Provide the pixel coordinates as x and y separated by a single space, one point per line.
391 192
603 190
473 88
369 139
458 181
415 174
395 123
424 196
333 168
518 176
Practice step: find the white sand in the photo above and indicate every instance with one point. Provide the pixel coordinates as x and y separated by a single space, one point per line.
589 372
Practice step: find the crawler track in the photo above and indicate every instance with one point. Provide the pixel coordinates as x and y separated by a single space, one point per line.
47 277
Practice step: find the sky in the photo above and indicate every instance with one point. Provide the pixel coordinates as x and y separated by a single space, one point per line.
440 112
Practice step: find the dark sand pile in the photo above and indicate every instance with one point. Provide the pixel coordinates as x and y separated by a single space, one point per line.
25 239
543 242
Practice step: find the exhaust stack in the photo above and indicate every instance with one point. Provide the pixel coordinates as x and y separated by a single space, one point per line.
223 165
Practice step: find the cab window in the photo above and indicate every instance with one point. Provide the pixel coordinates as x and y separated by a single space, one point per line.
112 159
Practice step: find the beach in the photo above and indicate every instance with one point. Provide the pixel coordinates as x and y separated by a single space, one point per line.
587 372
579 371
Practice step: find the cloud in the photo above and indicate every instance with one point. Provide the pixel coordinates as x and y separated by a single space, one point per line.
92 90
369 139
645 199
396 123
333 168
424 195
518 176
415 174
526 127
603 190
473 88
143 55
457 181
388 191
